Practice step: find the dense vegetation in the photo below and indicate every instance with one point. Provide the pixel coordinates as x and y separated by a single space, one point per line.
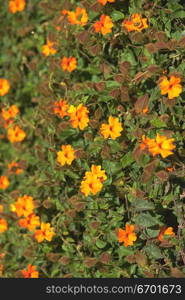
92 158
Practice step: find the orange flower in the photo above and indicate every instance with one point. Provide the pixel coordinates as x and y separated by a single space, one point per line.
135 23
104 25
127 236
45 233
3 225
16 5
30 222
60 108
103 2
24 206
49 48
4 182
146 141
145 110
68 63
170 169
165 231
162 145
16 134
172 87
14 167
1 208
66 156
31 272
92 181
112 129
4 86
78 116
78 17
11 113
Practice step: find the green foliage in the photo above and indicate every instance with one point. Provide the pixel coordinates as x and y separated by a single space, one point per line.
117 74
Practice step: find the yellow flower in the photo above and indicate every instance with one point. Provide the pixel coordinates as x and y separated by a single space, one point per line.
162 145
78 116
112 129
135 23
24 206
92 181
16 134
49 48
96 170
4 86
66 156
91 184
46 232
172 87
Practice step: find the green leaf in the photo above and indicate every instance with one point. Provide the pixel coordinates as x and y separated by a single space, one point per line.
153 251
71 174
117 15
100 244
158 123
112 84
146 220
127 160
124 251
115 146
111 167
143 205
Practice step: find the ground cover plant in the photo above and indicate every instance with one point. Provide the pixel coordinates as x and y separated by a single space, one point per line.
92 159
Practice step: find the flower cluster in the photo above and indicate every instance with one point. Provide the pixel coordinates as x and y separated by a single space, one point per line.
24 207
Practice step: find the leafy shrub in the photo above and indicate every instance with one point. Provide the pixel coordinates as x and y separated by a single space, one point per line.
69 70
